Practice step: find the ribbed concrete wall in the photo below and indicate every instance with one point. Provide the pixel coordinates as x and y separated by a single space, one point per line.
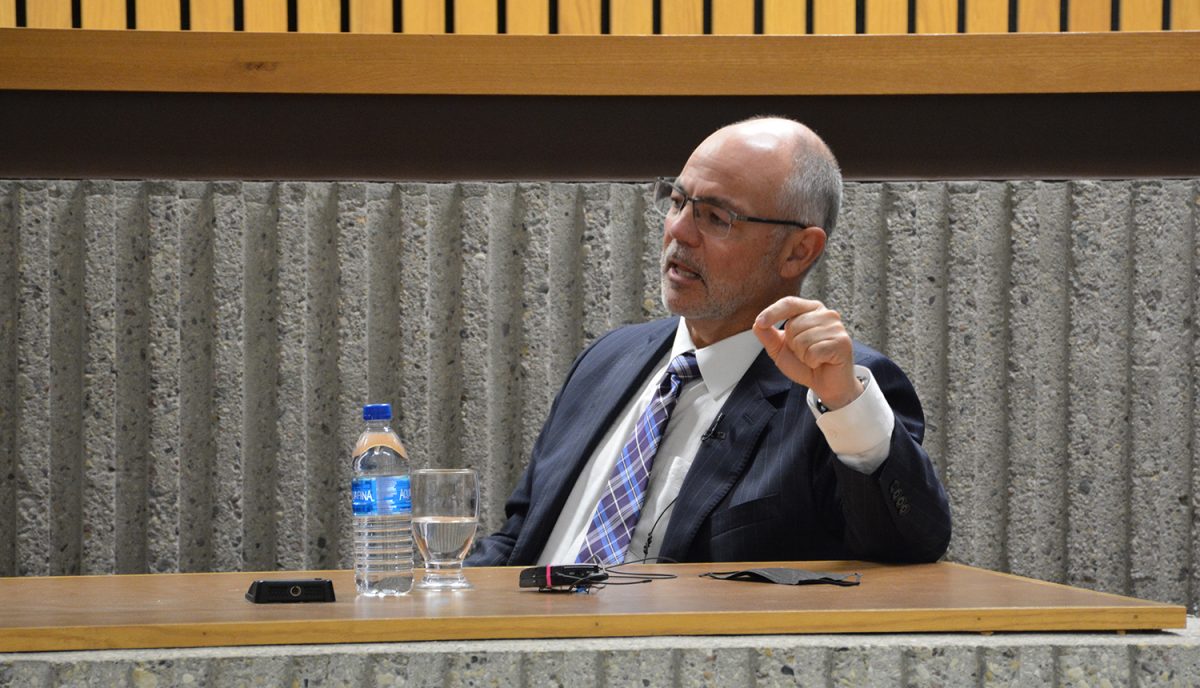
183 362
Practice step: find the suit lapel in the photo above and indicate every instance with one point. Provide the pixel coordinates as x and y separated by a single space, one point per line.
629 362
720 462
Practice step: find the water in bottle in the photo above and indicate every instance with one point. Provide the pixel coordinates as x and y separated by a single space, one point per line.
383 546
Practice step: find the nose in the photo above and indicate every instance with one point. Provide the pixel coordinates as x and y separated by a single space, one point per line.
682 227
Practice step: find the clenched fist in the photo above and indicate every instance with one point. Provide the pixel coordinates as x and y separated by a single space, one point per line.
813 348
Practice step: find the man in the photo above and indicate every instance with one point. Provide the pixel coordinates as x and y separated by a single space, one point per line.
742 430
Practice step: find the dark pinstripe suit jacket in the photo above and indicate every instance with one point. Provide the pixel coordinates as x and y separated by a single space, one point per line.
770 489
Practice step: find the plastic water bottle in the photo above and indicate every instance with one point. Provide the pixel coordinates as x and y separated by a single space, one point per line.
383 545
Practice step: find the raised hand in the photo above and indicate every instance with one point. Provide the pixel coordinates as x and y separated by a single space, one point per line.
813 348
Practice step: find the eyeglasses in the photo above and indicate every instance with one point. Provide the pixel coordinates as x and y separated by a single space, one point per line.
711 219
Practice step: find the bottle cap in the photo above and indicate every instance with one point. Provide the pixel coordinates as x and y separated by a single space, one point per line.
377 412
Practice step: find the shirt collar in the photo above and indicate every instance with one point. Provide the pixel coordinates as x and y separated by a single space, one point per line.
723 363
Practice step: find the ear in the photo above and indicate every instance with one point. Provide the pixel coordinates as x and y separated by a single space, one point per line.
801 249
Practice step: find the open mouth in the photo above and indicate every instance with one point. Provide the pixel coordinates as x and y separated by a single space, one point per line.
680 271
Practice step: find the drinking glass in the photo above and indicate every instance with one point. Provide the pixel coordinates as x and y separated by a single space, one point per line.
445 509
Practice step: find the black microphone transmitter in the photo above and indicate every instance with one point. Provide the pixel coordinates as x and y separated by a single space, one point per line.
562 576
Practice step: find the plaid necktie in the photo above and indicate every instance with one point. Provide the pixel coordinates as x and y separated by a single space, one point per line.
621 503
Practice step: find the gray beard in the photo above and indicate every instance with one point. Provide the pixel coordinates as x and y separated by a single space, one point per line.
723 299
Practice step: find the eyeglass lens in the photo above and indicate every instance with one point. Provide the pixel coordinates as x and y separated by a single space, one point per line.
710 219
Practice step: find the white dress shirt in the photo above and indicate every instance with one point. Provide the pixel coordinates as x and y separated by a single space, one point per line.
859 433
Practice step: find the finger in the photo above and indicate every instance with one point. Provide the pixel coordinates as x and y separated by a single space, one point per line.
821 352
773 340
821 317
785 308
819 346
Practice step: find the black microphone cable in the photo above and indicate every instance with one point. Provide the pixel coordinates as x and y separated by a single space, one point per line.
650 536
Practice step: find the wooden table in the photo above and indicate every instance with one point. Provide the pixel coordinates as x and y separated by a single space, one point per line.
209 609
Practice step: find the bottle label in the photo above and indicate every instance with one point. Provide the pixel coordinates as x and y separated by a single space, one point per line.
381 495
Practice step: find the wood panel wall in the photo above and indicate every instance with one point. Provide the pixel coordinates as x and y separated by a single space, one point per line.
590 17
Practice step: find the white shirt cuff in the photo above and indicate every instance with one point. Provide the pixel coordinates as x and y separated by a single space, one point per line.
860 433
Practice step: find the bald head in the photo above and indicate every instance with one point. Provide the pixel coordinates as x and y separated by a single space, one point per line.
766 133
791 158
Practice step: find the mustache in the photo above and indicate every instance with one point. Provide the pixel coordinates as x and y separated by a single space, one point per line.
685 257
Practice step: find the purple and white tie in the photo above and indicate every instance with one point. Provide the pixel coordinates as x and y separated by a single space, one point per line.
621 503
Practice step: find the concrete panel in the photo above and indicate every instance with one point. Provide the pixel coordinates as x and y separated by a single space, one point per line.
977 371
941 666
1039 317
237 535
387 274
132 389
1014 659
1160 342
324 414
1017 666
598 278
1193 191
856 265
1098 382
1080 667
1155 665
783 665
652 230
564 306
562 669
190 671
348 266
165 233
716 667
478 667
444 325
281 409
65 394
98 497
37 211
917 235
406 669
254 671
31 673
407 252
9 358
84 674
630 668
195 354
329 671
485 399
209 382
538 359
855 664
628 241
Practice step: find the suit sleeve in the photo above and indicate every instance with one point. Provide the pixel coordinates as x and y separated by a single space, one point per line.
900 511
495 549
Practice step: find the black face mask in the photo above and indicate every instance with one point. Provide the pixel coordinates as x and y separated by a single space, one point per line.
783 576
